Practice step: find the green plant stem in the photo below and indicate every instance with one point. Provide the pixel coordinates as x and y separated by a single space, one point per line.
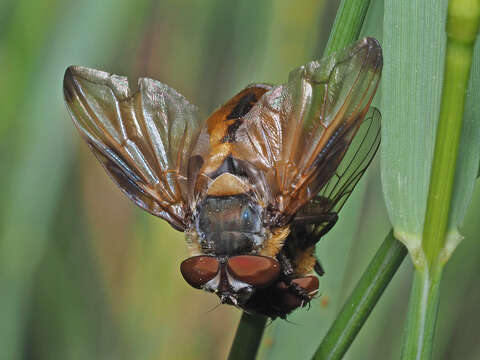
422 315
248 336
463 18
458 62
346 29
347 26
362 300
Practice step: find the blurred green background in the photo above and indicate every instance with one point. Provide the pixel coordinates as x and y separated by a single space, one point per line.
84 274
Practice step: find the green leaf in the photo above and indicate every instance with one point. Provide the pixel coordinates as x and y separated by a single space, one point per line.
410 110
414 48
463 18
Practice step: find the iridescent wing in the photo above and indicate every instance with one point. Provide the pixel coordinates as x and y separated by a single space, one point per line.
359 155
298 133
355 162
142 138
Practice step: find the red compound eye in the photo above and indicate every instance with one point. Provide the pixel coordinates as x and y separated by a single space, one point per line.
199 270
309 283
258 271
291 298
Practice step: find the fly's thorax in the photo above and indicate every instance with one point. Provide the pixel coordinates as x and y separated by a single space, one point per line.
229 225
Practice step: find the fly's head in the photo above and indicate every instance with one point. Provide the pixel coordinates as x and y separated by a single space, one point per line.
234 279
230 233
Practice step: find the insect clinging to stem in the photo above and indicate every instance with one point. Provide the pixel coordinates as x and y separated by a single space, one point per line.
253 187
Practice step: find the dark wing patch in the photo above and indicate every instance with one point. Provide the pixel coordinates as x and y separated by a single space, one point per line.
221 131
224 122
243 106
143 139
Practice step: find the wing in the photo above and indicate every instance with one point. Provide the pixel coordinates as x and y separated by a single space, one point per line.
298 133
142 138
358 157
355 162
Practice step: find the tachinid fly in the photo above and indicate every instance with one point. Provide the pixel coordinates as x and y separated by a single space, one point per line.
256 185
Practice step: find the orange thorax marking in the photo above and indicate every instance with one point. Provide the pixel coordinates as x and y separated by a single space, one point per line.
224 122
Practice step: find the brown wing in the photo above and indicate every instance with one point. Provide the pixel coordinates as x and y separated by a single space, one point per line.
298 133
142 138
358 157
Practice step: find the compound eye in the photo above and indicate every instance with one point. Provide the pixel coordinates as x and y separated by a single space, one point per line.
258 271
304 290
199 270
308 283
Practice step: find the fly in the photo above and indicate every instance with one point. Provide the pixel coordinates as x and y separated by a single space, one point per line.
253 187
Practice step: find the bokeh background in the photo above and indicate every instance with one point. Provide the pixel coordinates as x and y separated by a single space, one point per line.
84 274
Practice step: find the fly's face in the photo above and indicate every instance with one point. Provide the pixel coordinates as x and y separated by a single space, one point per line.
256 185
233 278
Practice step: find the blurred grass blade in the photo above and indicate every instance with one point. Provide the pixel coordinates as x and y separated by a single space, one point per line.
67 300
35 183
24 48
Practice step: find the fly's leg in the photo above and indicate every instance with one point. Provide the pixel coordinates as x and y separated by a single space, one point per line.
306 231
318 268
297 293
285 264
297 286
326 224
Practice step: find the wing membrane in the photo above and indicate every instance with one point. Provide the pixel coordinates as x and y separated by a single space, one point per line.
299 132
353 165
143 138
